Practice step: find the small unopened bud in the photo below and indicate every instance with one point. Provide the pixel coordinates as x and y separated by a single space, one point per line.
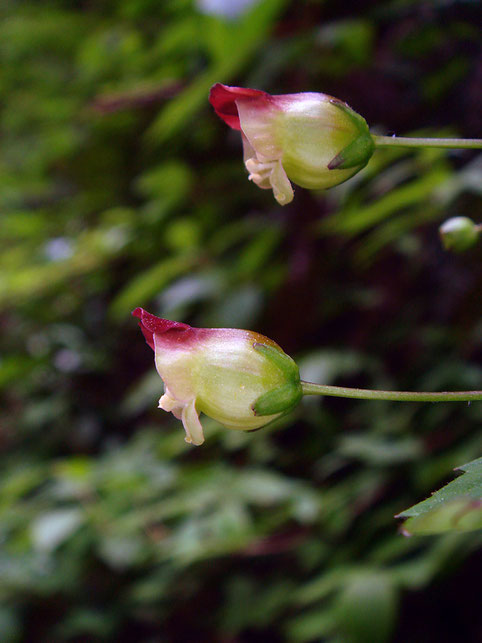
459 233
237 377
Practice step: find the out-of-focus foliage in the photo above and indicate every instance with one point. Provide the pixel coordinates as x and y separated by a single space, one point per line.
120 188
457 506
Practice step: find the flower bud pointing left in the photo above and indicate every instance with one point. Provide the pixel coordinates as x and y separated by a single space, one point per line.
237 377
312 139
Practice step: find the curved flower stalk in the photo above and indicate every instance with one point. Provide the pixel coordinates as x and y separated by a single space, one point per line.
240 378
312 139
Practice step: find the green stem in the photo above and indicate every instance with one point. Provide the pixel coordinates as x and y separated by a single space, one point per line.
453 143
396 396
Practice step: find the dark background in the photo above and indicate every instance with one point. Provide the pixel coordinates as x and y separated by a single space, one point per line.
119 188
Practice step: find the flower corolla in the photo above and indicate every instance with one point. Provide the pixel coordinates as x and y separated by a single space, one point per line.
238 377
312 139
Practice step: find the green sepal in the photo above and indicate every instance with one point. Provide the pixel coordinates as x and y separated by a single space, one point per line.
280 400
355 118
356 154
283 361
283 398
359 151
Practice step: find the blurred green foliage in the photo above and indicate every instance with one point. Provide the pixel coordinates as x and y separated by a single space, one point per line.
119 188
457 506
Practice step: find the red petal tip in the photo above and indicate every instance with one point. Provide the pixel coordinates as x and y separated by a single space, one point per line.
151 325
223 99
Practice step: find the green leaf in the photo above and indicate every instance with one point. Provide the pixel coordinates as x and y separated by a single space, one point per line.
248 34
356 219
149 283
455 507
52 528
366 608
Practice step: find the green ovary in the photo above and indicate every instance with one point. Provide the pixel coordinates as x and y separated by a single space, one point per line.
226 393
309 144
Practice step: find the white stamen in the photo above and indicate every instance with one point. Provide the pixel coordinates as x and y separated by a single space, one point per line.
270 175
185 411
192 424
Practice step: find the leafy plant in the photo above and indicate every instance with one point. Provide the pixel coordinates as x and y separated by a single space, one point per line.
455 507
119 188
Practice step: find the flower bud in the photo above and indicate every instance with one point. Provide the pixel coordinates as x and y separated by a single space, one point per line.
459 233
313 139
237 377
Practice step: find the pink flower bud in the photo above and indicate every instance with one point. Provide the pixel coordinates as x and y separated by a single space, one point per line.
313 139
238 377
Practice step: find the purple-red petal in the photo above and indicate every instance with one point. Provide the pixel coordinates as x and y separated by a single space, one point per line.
223 99
150 325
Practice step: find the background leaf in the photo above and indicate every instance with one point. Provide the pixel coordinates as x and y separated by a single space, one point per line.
455 507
